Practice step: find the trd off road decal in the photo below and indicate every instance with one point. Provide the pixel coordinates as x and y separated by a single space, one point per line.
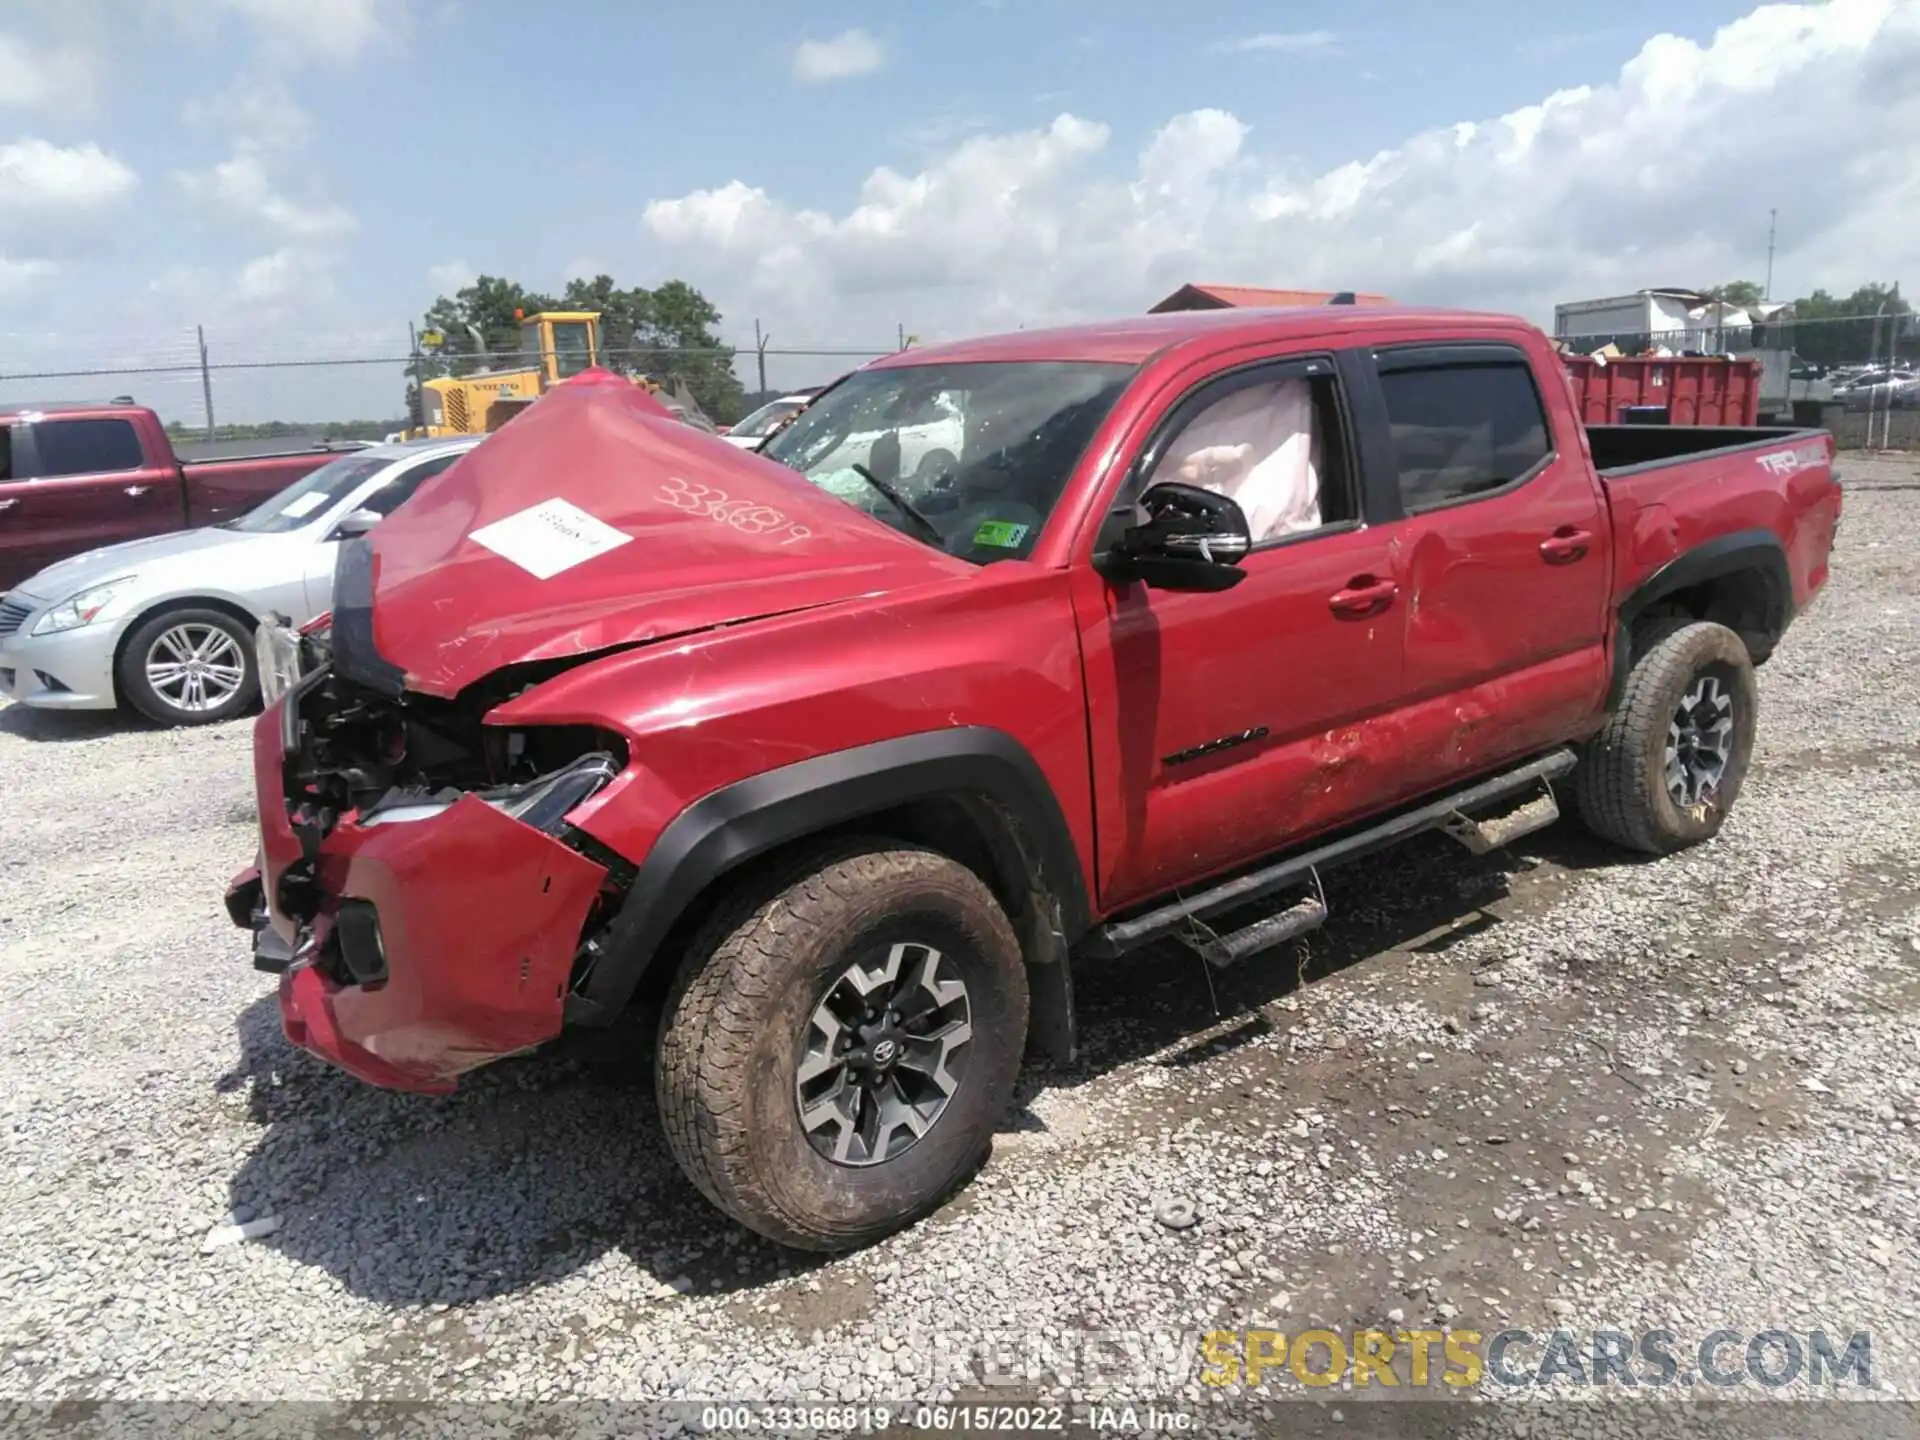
1792 462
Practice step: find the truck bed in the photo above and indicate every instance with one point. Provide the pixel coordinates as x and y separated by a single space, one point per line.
1707 496
1624 449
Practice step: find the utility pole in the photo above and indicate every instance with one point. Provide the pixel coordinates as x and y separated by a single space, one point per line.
1772 218
760 350
206 377
416 401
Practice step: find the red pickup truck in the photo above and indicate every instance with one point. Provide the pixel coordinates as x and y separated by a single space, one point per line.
848 765
75 477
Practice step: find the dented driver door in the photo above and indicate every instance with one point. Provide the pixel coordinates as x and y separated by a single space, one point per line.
1223 725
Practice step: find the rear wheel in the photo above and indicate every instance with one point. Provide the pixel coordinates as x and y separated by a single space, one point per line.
1668 766
842 1042
189 667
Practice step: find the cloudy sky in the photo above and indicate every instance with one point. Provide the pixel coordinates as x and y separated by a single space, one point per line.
301 177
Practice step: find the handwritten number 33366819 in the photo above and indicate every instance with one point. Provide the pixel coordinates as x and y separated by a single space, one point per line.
743 515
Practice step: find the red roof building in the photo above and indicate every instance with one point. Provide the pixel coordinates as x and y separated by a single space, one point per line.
1249 297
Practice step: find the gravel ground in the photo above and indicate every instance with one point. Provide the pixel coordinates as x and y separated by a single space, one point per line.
1547 1088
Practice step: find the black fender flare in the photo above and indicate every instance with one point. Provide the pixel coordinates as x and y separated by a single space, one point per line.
1757 552
751 817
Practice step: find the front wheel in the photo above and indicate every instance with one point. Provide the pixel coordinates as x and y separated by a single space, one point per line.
189 667
1668 766
842 1042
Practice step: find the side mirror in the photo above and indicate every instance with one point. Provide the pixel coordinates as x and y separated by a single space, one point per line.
355 523
1192 539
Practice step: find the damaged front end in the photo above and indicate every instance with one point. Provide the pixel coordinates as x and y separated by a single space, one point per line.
420 889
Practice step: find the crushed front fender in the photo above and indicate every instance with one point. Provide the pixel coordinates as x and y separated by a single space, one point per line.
477 920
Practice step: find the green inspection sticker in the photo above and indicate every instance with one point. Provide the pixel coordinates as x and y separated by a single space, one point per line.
1001 534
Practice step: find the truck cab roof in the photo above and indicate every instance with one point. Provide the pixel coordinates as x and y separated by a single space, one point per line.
1136 339
14 409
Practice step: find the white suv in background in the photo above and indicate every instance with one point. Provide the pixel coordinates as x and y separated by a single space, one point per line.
763 422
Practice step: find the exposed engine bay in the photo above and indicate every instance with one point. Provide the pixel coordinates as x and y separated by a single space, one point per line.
355 752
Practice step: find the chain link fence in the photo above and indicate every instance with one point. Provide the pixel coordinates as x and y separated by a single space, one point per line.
1857 375
213 398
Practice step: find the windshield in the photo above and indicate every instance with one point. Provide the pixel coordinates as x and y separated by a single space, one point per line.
766 417
308 497
976 454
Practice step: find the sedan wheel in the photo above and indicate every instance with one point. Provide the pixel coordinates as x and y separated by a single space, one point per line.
195 667
189 667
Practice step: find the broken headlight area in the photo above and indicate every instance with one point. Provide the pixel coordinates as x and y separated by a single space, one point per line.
543 803
354 753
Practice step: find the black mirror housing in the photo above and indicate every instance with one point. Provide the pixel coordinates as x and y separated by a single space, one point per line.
1192 539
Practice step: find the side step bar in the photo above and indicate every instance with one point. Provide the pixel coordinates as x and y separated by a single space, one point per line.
1119 936
1485 836
1220 951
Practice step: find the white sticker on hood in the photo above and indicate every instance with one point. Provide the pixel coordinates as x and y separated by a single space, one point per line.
547 538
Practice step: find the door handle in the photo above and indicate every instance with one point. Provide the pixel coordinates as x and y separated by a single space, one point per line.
8 504
1364 596
138 490
1566 544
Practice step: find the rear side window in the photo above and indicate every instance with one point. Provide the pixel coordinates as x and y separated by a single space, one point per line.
1462 430
86 447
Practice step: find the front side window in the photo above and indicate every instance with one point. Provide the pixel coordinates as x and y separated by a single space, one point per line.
86 447
304 501
399 489
969 457
571 351
1462 430
1273 445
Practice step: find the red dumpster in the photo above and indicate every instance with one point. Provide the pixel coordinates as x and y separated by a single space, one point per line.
1689 389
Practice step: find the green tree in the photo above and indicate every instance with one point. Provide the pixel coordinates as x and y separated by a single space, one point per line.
666 333
1744 293
486 306
625 315
681 343
1853 329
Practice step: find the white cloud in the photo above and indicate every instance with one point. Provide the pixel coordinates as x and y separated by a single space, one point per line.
334 30
243 189
1281 42
255 114
271 279
42 78
18 277
50 194
1664 175
848 55
451 277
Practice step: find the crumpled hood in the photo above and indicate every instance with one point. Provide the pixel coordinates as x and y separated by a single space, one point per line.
142 557
591 522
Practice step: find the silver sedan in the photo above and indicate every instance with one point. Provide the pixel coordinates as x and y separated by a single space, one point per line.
166 625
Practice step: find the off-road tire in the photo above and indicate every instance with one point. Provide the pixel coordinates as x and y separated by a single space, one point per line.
1619 787
130 668
734 1027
